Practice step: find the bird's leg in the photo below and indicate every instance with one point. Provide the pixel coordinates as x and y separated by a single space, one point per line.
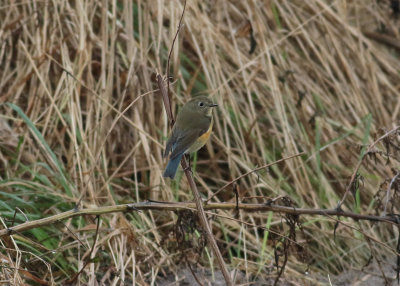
188 167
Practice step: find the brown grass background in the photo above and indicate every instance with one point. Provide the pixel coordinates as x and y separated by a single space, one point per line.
83 73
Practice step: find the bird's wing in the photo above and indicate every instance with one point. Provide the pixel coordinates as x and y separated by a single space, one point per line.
170 143
184 142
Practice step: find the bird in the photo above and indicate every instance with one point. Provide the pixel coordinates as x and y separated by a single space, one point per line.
192 128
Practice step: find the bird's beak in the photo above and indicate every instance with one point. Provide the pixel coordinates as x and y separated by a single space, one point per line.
213 105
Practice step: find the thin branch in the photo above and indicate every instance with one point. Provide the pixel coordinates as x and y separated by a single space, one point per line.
353 177
89 259
252 171
164 94
167 103
373 254
173 206
188 171
388 192
17 209
382 38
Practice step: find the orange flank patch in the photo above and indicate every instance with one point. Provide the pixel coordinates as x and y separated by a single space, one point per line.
203 138
200 141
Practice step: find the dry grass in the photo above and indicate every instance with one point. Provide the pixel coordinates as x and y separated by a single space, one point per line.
91 126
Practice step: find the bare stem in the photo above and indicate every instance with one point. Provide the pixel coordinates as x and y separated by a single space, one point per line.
188 171
174 206
353 177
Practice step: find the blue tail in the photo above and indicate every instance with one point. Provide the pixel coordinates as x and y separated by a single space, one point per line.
172 166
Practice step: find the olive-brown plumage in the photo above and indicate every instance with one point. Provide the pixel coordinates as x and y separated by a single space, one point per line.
191 131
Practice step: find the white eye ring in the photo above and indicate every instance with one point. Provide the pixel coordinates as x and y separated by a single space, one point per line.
201 104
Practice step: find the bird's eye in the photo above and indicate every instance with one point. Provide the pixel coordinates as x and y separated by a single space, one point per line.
201 104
